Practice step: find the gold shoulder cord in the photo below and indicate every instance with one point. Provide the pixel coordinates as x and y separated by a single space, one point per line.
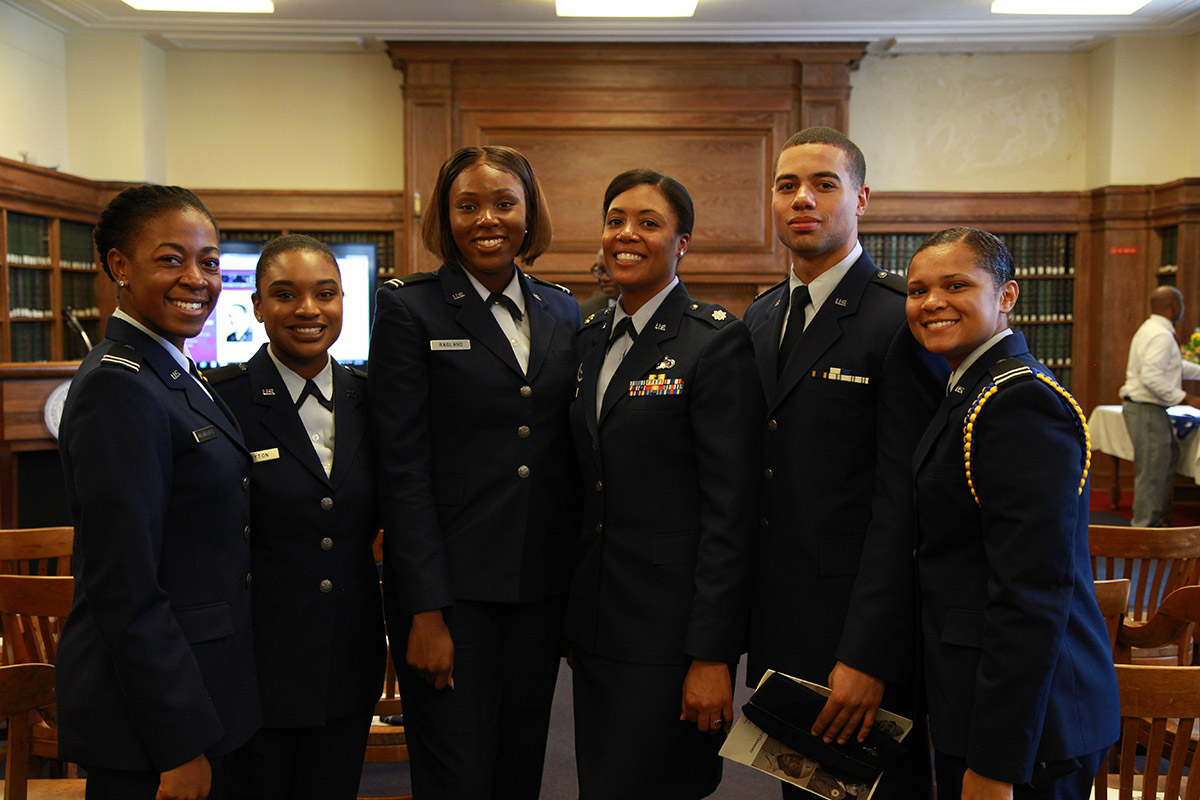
991 389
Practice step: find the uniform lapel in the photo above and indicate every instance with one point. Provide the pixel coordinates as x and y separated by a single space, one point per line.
349 422
591 360
475 317
826 326
269 393
176 377
541 325
647 351
766 339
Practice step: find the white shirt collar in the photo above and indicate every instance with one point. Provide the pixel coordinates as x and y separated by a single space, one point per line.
512 291
180 356
295 383
974 356
643 314
823 285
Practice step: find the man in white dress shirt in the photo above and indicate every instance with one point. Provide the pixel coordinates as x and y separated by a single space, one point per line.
1153 378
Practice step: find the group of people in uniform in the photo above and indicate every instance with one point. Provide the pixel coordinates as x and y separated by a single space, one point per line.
869 483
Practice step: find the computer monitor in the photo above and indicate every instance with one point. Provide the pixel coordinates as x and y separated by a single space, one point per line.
232 335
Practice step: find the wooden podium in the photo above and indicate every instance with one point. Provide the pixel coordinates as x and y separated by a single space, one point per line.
24 390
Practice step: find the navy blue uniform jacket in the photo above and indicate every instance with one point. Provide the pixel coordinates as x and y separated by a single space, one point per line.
155 664
1017 661
842 422
670 483
319 646
477 483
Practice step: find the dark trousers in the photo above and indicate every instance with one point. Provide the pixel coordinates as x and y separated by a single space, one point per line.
1076 785
120 784
629 740
485 739
322 763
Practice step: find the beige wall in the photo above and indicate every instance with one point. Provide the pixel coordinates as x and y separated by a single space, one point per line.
284 121
33 92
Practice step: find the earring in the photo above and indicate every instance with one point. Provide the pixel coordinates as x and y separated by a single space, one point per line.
122 284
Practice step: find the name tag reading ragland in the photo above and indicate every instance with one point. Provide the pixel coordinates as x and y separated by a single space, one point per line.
449 344
265 455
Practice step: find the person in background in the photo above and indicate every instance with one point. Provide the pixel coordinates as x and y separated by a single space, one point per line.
1153 376
609 291
471 372
155 671
665 423
318 618
847 392
1018 668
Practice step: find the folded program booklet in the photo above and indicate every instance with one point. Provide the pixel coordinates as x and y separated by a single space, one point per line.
786 706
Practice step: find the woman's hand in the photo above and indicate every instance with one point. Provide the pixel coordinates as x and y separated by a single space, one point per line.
430 651
190 781
977 787
853 698
708 696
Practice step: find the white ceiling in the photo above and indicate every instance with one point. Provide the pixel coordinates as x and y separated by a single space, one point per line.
891 26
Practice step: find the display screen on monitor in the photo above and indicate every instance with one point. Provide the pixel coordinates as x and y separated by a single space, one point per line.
232 334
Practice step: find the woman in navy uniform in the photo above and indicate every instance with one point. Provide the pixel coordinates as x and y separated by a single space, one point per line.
318 618
665 422
1018 670
471 374
155 665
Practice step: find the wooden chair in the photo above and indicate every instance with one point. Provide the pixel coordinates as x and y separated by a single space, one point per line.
32 611
36 551
1153 696
1113 599
25 688
1157 561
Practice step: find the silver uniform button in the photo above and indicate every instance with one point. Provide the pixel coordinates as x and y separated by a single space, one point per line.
327 543
768 473
326 503
772 425
246 482
526 391
247 580
327 586
523 471
523 431
246 532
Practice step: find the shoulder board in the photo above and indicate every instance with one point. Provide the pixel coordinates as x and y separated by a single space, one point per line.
771 289
1006 373
541 282
891 280
409 280
124 356
597 316
711 313
222 374
355 371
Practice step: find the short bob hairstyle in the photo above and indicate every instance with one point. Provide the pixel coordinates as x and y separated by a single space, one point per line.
435 227
125 215
672 191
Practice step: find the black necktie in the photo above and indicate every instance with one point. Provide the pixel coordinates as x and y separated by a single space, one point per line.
624 326
311 388
196 372
507 302
795 325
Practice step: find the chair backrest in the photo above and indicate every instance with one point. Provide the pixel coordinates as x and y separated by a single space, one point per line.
23 688
1156 560
1171 622
1113 599
36 551
32 610
1163 697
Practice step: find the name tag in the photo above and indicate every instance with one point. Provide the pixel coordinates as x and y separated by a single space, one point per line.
204 434
449 344
265 455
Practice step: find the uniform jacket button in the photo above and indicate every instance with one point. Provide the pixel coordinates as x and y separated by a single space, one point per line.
247 580
768 473
246 532
523 471
246 482
327 586
772 425
327 543
326 503
523 431
526 391
599 486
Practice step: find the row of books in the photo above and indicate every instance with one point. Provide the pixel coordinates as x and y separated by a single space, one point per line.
1044 301
28 240
75 247
1050 344
1034 254
28 294
30 342
79 292
1169 256
384 241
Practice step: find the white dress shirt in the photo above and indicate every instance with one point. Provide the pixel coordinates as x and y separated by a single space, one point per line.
821 287
620 346
1156 368
318 420
180 356
516 333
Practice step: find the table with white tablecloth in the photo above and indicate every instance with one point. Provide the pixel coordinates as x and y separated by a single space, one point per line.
1110 437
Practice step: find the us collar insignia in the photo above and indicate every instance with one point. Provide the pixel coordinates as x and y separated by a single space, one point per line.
840 301
458 295
660 326
268 392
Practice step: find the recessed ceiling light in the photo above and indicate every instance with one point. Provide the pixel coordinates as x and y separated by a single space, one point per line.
625 8
1067 6
225 6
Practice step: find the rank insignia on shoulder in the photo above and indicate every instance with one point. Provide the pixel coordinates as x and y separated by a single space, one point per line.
656 385
127 363
666 363
591 317
719 314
